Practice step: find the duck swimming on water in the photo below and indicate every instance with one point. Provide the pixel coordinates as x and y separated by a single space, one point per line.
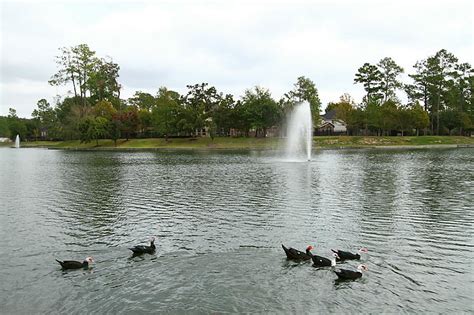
143 249
348 255
297 255
73 264
346 274
319 261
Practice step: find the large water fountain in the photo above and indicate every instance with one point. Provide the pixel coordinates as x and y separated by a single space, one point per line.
17 141
299 133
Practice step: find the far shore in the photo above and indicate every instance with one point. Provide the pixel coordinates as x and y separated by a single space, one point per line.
205 143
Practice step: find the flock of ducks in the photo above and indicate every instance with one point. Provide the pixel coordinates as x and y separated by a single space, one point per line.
137 250
338 256
291 253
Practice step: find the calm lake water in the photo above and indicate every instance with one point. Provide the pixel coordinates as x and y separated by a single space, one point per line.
220 219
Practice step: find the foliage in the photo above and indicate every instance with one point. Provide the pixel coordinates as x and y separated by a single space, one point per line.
104 109
304 91
166 114
4 127
262 110
200 104
440 94
389 83
369 76
93 128
419 117
88 74
16 126
142 100
223 117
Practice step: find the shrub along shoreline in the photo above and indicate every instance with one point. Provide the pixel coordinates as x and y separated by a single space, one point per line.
329 142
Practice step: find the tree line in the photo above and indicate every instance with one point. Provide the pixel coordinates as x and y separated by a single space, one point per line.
440 101
440 98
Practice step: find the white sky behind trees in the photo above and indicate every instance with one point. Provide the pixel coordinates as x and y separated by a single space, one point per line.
233 45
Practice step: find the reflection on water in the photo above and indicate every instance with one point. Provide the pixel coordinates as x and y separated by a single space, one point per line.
220 218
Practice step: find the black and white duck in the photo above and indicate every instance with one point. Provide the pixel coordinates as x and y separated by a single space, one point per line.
346 274
297 255
319 261
343 255
73 264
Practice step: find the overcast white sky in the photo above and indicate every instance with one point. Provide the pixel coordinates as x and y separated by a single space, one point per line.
233 45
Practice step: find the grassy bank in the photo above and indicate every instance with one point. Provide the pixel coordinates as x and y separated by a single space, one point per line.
158 143
255 143
360 141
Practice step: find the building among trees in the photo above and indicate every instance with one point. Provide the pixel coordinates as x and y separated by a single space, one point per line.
330 125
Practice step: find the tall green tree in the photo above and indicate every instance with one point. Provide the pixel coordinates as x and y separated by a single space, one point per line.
93 79
370 77
223 115
16 125
304 90
442 64
166 113
199 104
241 118
432 83
418 91
263 110
48 123
458 96
102 81
145 102
389 82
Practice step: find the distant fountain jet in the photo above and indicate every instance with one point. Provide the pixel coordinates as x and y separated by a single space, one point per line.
17 141
299 133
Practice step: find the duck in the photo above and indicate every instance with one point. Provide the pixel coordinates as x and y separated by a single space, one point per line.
319 261
346 274
295 254
73 264
343 255
143 249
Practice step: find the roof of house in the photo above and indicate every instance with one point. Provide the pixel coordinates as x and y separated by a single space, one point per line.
326 124
331 115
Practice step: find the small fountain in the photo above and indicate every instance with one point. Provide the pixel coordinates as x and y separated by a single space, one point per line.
17 141
299 133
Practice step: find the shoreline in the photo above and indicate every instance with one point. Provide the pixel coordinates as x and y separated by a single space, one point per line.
412 147
384 147
222 144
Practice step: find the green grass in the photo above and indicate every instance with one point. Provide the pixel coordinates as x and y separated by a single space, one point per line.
172 143
361 141
253 143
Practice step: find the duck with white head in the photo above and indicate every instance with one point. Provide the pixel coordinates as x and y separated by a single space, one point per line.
73 264
319 261
343 255
346 274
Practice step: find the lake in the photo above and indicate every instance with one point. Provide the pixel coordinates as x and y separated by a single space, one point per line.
220 218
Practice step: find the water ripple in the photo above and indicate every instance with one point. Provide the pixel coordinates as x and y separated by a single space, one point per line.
220 218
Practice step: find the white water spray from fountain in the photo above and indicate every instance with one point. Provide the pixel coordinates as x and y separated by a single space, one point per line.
17 141
299 133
